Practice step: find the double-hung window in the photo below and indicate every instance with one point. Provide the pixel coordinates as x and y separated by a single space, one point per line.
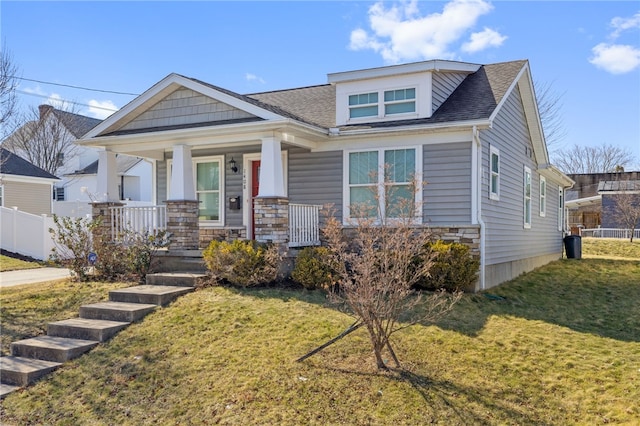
560 208
400 101
207 179
527 197
494 185
363 105
543 196
381 183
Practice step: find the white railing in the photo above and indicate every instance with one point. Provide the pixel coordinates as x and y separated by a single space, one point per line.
141 219
26 234
609 233
304 225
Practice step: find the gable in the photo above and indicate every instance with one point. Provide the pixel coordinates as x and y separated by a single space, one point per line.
186 107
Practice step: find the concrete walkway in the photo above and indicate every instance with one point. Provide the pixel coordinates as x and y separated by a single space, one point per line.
32 276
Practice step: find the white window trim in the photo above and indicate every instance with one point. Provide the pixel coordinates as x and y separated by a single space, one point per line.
194 162
494 195
381 104
527 224
543 196
560 208
1 195
346 216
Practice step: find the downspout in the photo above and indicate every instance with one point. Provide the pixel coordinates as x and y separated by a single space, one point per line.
476 154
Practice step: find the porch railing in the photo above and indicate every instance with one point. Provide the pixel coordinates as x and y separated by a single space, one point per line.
609 233
304 225
141 219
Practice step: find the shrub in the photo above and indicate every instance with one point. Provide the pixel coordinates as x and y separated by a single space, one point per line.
315 268
73 243
453 267
242 263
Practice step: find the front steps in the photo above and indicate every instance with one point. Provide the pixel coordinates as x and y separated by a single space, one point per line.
33 358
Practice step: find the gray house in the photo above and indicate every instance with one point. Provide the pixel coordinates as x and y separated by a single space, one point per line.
257 166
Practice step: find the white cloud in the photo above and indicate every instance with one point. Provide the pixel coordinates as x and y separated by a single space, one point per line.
401 33
622 24
56 101
101 109
615 58
253 77
483 40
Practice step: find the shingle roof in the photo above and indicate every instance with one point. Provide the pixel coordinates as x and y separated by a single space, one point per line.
123 164
11 164
77 124
618 185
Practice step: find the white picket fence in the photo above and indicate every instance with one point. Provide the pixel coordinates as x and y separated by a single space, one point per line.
609 233
26 234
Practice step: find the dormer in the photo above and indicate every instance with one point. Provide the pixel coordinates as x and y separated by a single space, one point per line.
397 92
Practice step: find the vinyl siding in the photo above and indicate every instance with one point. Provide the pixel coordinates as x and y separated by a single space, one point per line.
444 83
316 178
506 238
31 198
185 106
447 194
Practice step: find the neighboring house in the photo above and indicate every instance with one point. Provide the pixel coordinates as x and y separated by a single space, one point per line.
591 201
77 164
24 185
240 166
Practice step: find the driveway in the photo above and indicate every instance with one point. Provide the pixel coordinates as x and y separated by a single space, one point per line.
32 276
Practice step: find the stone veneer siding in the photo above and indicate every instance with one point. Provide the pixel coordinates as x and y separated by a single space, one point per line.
182 224
221 234
271 218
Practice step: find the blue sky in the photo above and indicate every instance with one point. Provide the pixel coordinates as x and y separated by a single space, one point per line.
588 51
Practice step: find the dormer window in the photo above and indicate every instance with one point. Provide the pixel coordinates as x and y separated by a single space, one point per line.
400 101
363 105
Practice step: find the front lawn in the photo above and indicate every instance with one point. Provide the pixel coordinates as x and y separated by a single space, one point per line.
8 263
560 345
611 248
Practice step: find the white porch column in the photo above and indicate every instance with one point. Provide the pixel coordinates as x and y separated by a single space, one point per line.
182 174
271 177
107 186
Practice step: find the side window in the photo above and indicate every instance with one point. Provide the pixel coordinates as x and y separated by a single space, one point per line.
1 195
560 208
494 185
527 197
543 196
399 101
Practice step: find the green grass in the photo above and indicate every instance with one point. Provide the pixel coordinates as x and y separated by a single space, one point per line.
560 345
27 309
610 248
12 264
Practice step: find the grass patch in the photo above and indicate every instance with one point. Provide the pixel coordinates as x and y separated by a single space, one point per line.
611 248
13 264
26 310
560 345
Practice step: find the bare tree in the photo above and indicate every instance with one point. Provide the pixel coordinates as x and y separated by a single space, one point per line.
603 158
550 110
44 139
378 269
626 206
8 85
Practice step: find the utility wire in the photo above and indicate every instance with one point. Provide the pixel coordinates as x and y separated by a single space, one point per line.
66 101
75 87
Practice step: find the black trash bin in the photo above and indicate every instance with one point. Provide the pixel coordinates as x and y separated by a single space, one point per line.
573 246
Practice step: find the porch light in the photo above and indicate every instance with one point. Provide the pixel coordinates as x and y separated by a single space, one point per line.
232 165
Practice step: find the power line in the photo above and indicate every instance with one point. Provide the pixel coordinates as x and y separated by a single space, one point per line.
76 87
66 101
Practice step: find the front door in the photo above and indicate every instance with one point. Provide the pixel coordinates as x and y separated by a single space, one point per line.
255 186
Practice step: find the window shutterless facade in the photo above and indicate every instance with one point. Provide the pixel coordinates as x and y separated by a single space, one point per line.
400 101
380 182
494 163
363 105
527 197
560 208
397 101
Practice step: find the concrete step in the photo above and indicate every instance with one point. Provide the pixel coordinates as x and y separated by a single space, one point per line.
7 389
153 294
87 329
180 279
51 348
19 371
179 261
116 311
